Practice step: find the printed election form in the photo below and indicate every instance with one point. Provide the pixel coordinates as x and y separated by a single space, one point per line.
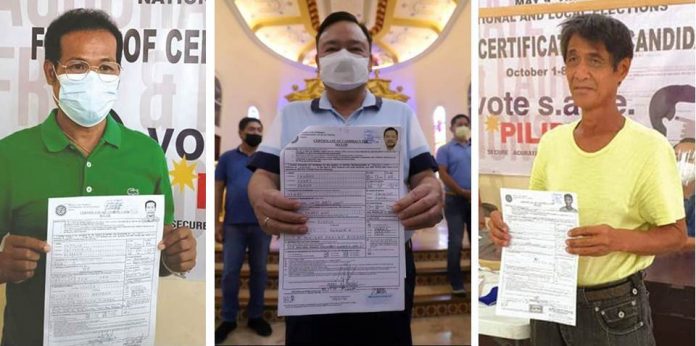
538 278
103 269
352 257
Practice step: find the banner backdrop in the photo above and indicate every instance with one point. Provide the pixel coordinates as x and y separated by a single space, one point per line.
161 93
523 88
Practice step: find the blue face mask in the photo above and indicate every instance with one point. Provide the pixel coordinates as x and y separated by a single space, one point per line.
88 101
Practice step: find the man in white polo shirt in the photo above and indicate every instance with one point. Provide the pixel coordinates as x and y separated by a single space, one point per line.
343 57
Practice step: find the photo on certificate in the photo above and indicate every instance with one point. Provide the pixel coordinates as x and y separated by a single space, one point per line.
102 180
343 185
586 173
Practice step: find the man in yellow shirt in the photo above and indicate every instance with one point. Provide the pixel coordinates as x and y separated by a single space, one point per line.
628 188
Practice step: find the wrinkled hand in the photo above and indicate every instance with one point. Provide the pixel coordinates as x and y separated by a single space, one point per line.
20 257
421 207
499 230
595 240
278 214
178 248
219 232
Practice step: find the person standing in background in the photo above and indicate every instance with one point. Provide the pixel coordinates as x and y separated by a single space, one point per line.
685 160
240 231
454 167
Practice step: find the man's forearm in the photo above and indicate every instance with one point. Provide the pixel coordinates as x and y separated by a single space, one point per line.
656 241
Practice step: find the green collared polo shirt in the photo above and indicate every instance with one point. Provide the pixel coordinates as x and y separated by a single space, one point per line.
40 162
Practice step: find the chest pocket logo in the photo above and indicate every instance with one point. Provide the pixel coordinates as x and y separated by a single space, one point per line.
133 191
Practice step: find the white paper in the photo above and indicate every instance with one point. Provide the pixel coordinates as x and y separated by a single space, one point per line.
102 271
352 258
538 278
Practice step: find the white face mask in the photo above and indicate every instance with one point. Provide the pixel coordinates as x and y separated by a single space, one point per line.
343 70
685 165
88 101
686 171
462 133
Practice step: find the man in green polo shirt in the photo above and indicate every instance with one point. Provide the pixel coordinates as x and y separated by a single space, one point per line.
79 150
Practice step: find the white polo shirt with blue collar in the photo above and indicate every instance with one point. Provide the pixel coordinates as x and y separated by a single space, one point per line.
374 111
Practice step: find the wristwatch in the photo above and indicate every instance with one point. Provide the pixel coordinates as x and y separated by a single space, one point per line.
175 273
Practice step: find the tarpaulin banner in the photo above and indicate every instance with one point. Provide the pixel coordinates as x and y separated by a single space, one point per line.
161 93
523 87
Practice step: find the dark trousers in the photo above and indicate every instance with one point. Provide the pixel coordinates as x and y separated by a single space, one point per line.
610 315
239 238
457 214
373 328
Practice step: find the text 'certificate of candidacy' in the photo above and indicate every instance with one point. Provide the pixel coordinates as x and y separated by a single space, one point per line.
538 278
102 271
352 257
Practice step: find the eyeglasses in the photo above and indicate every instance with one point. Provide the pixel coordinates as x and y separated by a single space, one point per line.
78 69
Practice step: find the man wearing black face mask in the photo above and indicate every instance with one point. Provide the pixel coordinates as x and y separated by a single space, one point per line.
239 231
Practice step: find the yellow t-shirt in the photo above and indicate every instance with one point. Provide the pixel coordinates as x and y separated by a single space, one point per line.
631 183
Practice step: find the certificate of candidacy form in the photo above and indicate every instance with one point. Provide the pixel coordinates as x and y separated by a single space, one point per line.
102 271
352 257
538 278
